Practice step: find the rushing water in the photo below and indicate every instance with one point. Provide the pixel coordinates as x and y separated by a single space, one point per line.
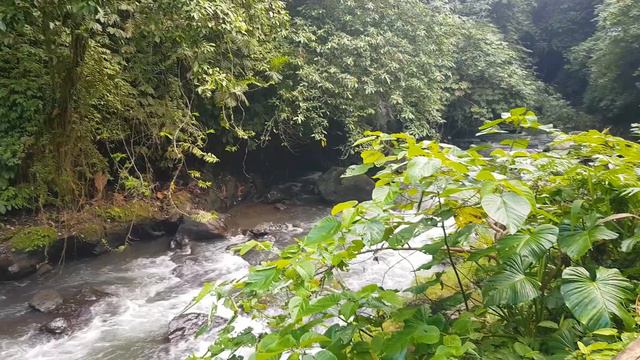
151 285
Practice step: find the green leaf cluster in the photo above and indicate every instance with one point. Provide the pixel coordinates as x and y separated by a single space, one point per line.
526 245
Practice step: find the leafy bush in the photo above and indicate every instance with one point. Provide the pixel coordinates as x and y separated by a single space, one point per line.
538 247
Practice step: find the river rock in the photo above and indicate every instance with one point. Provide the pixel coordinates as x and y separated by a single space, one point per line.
284 192
257 257
16 265
187 325
56 326
334 188
199 226
188 268
73 312
44 268
46 300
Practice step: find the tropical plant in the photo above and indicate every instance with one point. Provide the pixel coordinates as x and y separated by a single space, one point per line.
531 242
123 88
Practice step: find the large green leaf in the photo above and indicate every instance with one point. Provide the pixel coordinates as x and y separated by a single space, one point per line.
261 278
325 355
512 286
578 243
594 302
371 232
532 244
420 167
323 230
508 208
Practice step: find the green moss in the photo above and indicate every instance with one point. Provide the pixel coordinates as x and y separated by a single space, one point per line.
182 200
91 232
205 217
134 210
34 238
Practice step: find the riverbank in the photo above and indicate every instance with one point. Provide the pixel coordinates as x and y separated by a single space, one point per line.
147 284
36 244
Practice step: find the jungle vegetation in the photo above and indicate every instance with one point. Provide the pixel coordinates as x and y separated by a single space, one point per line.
539 252
122 93
119 96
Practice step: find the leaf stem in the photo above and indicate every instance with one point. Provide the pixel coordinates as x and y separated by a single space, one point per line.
453 265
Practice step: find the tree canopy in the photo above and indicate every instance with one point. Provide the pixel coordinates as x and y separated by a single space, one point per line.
131 90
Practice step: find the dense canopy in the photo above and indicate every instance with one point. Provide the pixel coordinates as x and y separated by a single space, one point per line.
534 257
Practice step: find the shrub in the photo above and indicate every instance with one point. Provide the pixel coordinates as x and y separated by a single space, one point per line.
540 245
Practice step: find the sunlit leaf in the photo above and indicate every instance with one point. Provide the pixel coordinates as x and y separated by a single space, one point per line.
508 209
595 300
421 167
323 230
577 243
532 244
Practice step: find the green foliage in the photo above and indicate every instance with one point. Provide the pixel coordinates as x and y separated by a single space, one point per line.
365 65
612 59
594 300
516 286
111 88
509 209
33 238
398 66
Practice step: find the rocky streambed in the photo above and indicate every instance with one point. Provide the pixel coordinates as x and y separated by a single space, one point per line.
128 305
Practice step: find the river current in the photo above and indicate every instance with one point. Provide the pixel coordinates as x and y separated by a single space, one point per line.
150 285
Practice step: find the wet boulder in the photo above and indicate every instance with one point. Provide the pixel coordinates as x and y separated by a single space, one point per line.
56 326
44 268
199 226
284 192
185 326
46 301
188 268
277 233
15 265
23 265
334 188
73 312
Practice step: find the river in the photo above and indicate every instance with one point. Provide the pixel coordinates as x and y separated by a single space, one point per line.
150 285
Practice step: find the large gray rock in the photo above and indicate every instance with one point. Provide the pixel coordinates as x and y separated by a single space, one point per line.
257 257
199 226
46 300
184 326
334 188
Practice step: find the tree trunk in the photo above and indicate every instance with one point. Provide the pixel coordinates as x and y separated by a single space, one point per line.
63 117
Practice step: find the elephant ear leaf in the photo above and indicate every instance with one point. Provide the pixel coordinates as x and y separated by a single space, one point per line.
595 302
509 209
577 243
531 244
512 286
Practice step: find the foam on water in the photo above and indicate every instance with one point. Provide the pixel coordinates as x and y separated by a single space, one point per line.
134 320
